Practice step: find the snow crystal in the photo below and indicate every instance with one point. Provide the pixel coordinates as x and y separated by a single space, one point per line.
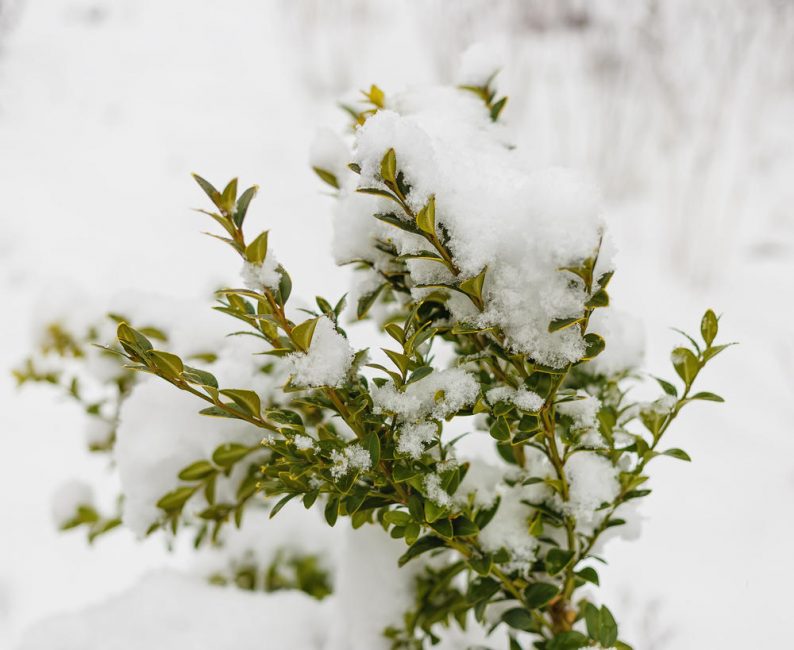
582 411
593 480
412 438
328 360
441 393
435 492
303 442
478 65
523 225
352 457
68 498
524 399
328 152
625 342
258 277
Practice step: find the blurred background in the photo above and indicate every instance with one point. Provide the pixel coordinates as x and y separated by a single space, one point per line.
682 112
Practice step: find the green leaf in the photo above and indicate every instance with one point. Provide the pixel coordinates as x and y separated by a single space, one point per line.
209 190
284 287
332 511
519 618
397 222
327 177
557 559
484 516
667 387
712 352
571 640
589 574
398 359
686 364
500 430
709 397
562 323
130 336
709 326
175 500
242 205
230 453
216 412
247 400
473 286
229 196
680 454
397 517
302 334
256 251
464 527
420 546
608 628
388 166
281 503
539 594
419 373
443 527
592 618
599 299
595 345
497 108
167 363
426 217
373 446
367 300
197 471
201 377
482 589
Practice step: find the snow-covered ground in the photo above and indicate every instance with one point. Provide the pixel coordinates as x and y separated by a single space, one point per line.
684 115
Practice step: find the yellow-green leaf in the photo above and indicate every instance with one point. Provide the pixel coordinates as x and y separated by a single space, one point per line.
302 334
256 251
167 363
247 400
473 286
388 166
426 218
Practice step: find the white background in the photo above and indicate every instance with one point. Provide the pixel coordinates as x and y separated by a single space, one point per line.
684 115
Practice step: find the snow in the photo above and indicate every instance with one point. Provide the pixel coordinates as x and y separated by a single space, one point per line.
509 529
583 410
303 442
327 361
593 481
520 224
441 393
435 491
524 399
167 610
413 438
352 458
680 113
259 277
68 498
